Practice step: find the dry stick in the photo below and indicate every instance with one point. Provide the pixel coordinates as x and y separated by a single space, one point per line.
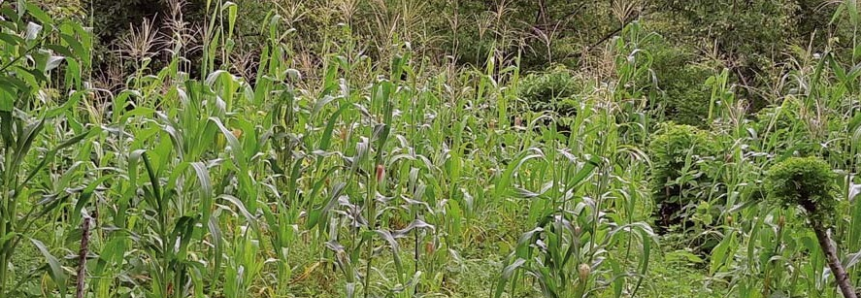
82 257
833 261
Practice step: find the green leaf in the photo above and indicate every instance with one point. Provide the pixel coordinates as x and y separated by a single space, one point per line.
315 215
504 182
647 237
49 156
77 47
330 126
506 275
232 11
39 14
154 183
238 156
183 232
56 273
205 185
11 40
25 141
239 205
719 254
59 50
87 193
7 238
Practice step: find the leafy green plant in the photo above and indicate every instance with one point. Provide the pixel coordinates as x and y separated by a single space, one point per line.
28 61
683 95
809 183
681 163
343 157
553 90
737 29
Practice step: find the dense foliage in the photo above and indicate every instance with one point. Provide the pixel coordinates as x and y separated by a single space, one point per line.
405 148
683 158
806 182
554 90
809 183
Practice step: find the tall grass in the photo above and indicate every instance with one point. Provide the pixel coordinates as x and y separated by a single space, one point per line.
395 176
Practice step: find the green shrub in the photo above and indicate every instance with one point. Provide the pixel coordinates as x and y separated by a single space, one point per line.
63 9
788 133
809 182
553 90
804 181
746 31
778 122
684 95
772 118
750 37
682 156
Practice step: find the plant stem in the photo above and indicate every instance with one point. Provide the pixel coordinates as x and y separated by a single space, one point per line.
82 257
3 273
372 223
833 261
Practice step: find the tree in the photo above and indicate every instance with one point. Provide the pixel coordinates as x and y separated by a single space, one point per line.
809 183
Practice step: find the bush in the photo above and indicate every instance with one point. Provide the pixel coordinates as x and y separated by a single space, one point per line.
808 182
116 16
684 95
63 9
749 36
773 118
788 132
804 181
779 126
553 90
746 31
682 156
